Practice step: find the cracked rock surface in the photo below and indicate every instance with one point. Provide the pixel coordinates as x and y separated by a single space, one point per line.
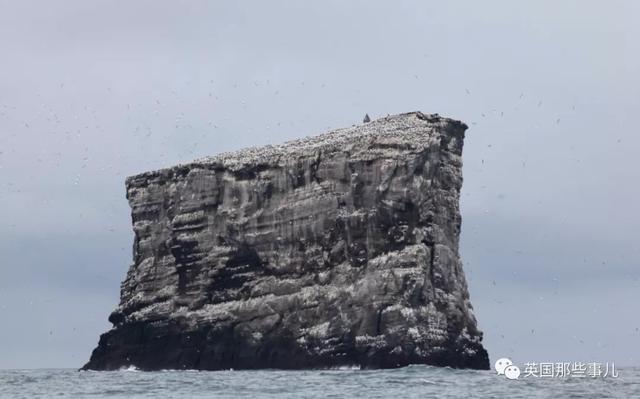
335 250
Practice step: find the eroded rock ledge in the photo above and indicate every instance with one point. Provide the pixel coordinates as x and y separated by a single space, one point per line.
335 250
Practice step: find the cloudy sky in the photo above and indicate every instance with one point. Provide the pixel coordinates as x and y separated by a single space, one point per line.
91 92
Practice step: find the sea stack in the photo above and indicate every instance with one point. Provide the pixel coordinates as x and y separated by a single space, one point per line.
335 250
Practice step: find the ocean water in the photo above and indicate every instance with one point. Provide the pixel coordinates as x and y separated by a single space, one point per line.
408 382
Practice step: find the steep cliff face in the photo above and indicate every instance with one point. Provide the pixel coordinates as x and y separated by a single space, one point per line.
340 249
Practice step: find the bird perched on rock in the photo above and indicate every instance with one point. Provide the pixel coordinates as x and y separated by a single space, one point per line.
366 118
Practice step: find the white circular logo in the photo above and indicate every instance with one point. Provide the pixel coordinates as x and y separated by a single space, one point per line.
502 364
512 372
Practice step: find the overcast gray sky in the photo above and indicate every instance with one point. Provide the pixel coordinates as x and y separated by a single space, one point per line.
94 91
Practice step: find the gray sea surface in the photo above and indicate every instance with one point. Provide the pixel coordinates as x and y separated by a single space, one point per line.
407 382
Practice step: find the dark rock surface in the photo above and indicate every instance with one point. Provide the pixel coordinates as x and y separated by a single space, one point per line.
335 250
